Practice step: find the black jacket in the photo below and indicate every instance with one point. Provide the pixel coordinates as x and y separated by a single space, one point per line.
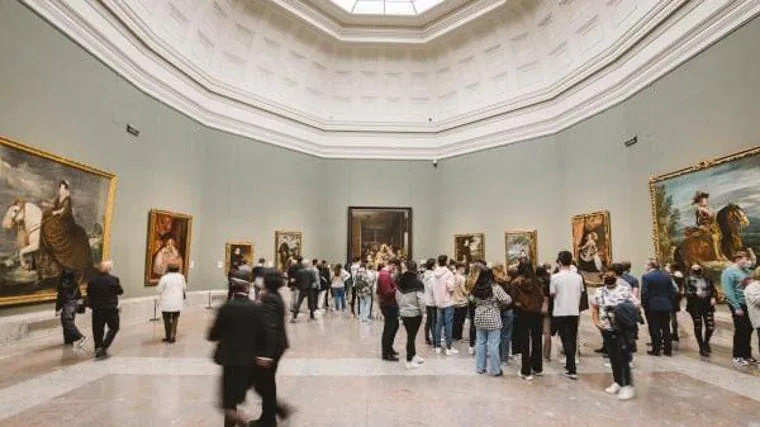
657 291
67 293
305 278
695 303
275 339
103 292
238 330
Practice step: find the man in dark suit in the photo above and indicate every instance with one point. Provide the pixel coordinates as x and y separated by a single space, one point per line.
239 331
307 283
657 295
103 292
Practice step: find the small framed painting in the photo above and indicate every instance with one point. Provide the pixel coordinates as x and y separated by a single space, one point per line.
469 247
237 254
521 244
169 235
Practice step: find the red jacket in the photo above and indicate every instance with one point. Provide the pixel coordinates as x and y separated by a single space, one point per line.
386 289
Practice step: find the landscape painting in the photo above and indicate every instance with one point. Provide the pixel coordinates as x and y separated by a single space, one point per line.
288 245
705 213
169 236
378 234
592 245
57 215
237 254
469 247
521 244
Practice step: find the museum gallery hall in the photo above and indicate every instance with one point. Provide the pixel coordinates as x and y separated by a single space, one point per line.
379 213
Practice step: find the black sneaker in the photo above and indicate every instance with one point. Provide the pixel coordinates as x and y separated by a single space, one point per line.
707 348
390 358
567 374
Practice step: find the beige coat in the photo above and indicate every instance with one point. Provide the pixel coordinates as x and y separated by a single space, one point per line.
752 295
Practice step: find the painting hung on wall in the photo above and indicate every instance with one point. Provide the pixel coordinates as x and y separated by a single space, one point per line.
592 245
169 235
379 234
705 213
57 216
521 244
469 247
288 245
237 254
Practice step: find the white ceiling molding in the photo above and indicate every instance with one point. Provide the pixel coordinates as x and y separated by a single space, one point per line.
685 32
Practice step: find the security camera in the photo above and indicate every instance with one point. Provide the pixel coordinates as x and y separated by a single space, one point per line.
435 163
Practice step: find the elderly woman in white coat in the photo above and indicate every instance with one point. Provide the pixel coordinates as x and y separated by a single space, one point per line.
171 291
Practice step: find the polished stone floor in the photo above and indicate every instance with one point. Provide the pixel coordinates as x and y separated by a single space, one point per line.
334 377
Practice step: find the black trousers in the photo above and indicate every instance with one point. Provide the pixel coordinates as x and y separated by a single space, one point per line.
619 351
412 326
674 325
518 334
471 315
310 295
430 321
265 385
567 328
236 380
100 319
353 300
68 316
742 333
703 317
171 319
390 328
659 331
460 314
531 332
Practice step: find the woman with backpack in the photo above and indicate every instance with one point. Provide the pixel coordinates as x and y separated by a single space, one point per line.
338 286
489 299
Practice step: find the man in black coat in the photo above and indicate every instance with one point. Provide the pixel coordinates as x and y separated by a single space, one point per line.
103 292
657 295
307 283
240 333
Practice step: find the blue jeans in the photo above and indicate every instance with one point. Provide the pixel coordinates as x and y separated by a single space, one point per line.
364 303
487 344
339 294
445 321
507 322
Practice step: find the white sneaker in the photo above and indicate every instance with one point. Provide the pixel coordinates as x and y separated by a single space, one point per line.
627 393
81 342
472 350
607 365
438 350
412 365
418 360
526 377
613 389
452 351
740 363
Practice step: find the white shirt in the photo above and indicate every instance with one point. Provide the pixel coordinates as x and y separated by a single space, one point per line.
171 291
567 289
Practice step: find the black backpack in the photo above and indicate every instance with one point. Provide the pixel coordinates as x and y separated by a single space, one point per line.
626 317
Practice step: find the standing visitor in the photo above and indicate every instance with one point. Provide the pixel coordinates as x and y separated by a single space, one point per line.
657 296
700 304
489 299
372 277
529 301
566 289
752 296
171 296
307 283
472 278
411 303
460 301
503 279
732 279
544 275
679 281
443 290
363 291
611 306
632 281
257 277
386 293
338 285
428 279
68 302
103 292
323 299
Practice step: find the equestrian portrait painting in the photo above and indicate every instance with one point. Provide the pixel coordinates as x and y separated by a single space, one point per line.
288 245
521 245
57 216
705 213
378 234
592 245
169 236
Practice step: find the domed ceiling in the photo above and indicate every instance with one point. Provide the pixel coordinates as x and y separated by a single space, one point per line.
409 79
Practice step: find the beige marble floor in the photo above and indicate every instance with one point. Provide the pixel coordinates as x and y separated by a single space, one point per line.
334 377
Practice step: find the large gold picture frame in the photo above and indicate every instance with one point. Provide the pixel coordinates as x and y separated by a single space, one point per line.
519 243
79 216
287 245
704 213
592 245
469 247
169 237
378 234
237 254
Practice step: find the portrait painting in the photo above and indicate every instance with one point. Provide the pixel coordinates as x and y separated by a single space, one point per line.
57 217
469 247
521 245
237 254
288 245
705 213
378 234
169 236
592 245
